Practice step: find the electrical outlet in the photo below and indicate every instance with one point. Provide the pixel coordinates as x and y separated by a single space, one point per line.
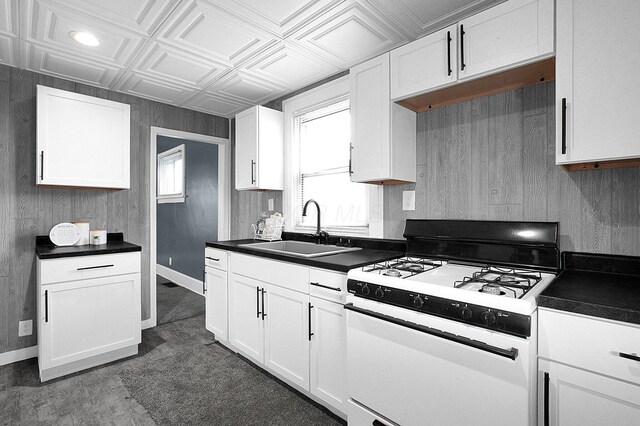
170 261
408 200
25 328
270 204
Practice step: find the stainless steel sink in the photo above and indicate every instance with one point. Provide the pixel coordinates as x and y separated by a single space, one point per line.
299 248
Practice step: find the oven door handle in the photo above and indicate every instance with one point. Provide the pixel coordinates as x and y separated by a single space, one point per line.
511 353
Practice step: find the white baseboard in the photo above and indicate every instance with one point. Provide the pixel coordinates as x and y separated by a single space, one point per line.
18 355
148 323
181 279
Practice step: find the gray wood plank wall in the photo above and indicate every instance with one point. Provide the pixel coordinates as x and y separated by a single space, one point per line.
494 158
27 210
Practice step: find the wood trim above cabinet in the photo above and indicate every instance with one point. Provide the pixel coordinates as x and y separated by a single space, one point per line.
507 80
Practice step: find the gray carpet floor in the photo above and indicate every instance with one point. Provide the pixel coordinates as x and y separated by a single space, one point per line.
216 387
175 303
115 394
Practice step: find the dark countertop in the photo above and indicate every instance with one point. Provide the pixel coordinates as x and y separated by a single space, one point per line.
337 262
604 286
45 249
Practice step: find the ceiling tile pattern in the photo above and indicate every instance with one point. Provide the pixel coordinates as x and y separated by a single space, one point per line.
213 56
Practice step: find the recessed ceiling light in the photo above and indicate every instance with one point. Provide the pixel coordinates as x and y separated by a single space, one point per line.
85 38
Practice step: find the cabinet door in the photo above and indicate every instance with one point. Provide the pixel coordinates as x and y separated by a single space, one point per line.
579 397
511 33
81 140
425 64
287 334
246 149
328 352
370 120
81 319
216 306
596 76
246 328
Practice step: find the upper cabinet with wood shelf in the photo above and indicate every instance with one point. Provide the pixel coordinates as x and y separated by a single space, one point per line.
596 88
513 38
259 149
82 141
383 134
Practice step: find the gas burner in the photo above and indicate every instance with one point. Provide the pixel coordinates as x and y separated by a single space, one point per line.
413 267
501 281
391 272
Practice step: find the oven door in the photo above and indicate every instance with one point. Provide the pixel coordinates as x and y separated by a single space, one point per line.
440 373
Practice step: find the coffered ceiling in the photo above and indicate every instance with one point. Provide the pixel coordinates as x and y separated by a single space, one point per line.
214 56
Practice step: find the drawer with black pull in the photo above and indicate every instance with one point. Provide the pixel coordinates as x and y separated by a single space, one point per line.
87 267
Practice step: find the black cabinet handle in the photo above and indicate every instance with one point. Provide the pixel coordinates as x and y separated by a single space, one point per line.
257 302
564 125
264 314
204 279
632 357
213 258
41 165
326 286
462 65
448 52
95 267
46 306
546 399
310 333
253 179
377 423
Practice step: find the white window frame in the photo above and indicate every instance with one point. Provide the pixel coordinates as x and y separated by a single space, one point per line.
178 197
328 93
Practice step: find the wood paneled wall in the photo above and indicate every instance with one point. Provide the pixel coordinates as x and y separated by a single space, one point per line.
494 158
27 210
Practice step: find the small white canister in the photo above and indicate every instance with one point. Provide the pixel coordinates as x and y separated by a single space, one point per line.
98 236
84 233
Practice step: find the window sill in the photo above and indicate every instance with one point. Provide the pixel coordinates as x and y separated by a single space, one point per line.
170 200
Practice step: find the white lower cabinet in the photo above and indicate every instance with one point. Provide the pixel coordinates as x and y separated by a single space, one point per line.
216 303
274 322
589 370
328 352
246 328
286 338
87 321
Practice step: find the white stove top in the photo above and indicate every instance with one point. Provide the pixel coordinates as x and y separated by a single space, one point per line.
442 282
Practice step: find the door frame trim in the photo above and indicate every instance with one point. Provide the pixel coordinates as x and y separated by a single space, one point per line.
224 195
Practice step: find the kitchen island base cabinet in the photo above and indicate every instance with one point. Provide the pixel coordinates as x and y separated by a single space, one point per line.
87 321
572 396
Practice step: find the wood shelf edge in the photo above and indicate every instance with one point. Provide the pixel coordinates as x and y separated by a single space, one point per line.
595 165
515 78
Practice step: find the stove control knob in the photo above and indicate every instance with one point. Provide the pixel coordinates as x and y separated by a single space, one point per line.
488 318
365 289
417 302
465 313
379 292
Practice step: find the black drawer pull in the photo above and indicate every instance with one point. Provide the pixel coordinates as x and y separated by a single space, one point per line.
326 286
564 126
546 400
449 53
462 64
310 333
377 423
41 165
46 306
95 267
257 302
632 357
213 258
264 310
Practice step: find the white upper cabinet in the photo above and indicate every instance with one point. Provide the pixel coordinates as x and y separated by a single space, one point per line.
429 62
510 34
383 134
82 141
259 149
596 87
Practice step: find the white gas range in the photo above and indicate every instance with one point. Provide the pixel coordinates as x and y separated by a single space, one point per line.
456 321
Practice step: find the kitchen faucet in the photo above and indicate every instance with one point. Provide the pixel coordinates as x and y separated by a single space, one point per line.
321 237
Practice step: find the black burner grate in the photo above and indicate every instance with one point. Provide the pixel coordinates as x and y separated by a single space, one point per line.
502 280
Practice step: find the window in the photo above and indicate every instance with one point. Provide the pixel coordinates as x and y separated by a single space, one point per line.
323 146
317 151
171 175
